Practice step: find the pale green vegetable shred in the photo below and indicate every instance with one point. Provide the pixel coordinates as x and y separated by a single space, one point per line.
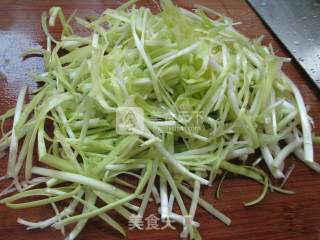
179 95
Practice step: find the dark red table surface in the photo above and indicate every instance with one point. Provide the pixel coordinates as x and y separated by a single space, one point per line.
276 217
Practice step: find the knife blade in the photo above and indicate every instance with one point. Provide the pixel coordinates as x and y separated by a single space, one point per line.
297 25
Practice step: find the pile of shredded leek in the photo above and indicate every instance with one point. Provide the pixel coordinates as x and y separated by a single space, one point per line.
210 99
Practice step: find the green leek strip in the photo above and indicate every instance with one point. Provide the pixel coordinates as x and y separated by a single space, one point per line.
305 124
143 181
57 163
90 199
176 164
103 216
141 50
149 188
68 151
43 201
69 210
41 144
28 165
30 107
257 175
108 199
207 206
175 191
14 140
28 193
77 178
127 143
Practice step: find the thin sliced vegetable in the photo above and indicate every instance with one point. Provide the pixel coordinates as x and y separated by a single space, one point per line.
174 98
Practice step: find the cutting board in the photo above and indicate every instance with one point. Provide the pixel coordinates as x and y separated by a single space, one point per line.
276 217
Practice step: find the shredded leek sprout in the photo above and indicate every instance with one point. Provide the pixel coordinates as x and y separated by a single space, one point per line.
208 97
